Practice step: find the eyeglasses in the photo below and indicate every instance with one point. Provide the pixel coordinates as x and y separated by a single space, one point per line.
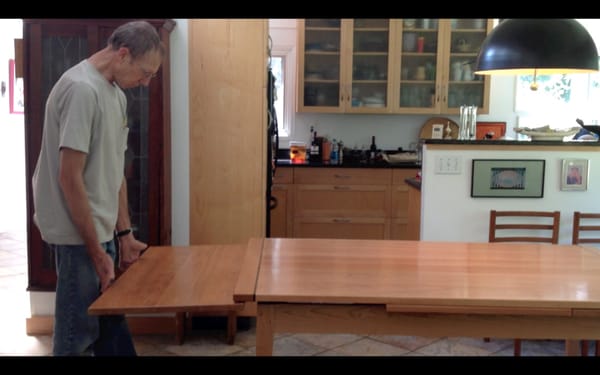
145 73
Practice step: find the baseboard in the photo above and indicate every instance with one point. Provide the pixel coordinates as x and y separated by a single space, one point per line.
139 325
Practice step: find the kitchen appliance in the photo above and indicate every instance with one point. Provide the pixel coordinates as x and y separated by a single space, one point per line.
272 145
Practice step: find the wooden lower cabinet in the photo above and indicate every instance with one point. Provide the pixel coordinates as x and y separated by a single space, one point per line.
282 190
352 203
414 214
341 227
400 203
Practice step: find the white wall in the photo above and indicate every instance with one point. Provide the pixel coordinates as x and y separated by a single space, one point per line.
448 212
12 139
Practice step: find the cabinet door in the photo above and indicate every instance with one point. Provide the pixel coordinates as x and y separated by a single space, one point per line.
420 53
462 40
345 65
51 46
282 191
400 204
369 72
320 65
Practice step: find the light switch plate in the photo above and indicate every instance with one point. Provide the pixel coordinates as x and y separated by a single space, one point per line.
448 165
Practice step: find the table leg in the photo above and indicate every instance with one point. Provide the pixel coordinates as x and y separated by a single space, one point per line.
231 327
264 330
180 321
572 348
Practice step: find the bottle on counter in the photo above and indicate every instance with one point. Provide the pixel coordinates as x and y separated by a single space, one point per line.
372 150
314 148
333 158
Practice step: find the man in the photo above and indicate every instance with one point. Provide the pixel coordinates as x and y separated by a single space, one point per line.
79 188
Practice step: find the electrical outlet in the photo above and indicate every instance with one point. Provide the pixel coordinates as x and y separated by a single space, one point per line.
448 165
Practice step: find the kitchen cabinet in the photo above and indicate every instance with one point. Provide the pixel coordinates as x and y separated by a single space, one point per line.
282 190
330 202
341 203
51 46
344 65
413 227
228 130
399 66
400 204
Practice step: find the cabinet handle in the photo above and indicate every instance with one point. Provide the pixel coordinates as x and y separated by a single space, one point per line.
342 220
444 96
437 97
341 176
338 187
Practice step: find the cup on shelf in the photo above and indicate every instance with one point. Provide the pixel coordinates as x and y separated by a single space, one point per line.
420 44
420 73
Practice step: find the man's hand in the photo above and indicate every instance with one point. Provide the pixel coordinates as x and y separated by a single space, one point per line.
105 268
130 250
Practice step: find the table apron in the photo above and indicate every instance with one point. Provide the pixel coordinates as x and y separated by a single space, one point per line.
376 320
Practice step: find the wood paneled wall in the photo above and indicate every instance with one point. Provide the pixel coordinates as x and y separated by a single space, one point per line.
228 129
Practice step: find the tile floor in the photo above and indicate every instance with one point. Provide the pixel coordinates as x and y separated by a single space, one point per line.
212 341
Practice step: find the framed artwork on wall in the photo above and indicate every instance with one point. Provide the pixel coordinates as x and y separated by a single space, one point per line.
16 99
574 174
507 178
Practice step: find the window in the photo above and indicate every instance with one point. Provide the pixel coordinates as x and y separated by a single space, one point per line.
560 98
282 66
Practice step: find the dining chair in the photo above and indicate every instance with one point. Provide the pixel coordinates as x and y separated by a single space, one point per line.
586 229
523 226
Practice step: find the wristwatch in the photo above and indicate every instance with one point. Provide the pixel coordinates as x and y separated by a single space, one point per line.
123 232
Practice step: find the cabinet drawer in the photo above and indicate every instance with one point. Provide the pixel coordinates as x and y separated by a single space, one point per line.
350 228
342 200
283 175
342 176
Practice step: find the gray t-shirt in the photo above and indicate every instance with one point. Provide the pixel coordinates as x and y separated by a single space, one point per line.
87 113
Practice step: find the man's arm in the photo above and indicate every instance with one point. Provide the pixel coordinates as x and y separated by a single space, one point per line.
70 178
129 247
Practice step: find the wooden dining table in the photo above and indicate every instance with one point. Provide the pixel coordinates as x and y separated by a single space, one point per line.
422 288
383 287
184 280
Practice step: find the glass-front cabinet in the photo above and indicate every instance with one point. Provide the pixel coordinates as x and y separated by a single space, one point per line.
344 65
416 66
462 39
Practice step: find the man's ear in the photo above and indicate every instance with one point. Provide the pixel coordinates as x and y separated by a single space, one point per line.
122 53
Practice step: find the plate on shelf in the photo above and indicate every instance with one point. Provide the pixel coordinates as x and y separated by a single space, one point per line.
427 128
545 133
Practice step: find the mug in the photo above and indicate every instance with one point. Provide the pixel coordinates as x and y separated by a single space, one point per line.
420 73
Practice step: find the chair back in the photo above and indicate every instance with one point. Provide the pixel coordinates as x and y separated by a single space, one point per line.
524 226
586 222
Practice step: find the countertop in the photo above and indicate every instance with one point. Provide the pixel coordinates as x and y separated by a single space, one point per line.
496 142
378 164
414 182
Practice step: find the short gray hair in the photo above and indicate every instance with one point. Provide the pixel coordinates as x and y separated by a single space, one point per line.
140 37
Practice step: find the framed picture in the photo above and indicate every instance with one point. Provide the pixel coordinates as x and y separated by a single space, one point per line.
574 174
16 99
507 178
490 130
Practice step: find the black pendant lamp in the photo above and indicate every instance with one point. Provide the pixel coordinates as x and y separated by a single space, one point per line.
537 46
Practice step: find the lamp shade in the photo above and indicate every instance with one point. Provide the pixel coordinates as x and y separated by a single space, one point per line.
542 46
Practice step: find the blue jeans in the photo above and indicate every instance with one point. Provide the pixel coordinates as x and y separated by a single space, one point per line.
78 285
